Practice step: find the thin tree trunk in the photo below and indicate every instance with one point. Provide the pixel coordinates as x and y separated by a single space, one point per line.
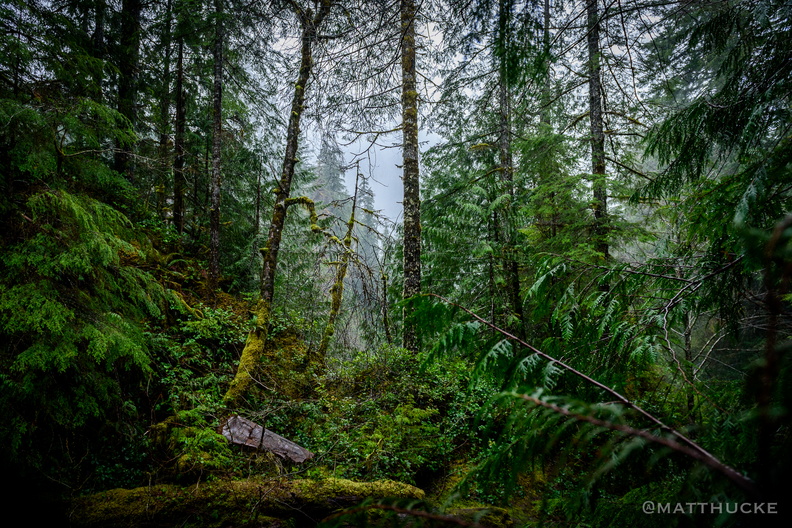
337 290
385 321
544 115
599 184
179 133
412 199
492 233
128 63
98 45
544 112
257 216
689 372
165 103
254 347
217 129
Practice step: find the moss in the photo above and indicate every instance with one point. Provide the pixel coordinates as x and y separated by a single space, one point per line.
248 363
283 366
317 493
485 516
253 502
250 358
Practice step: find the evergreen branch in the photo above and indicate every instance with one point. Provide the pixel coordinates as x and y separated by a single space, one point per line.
629 169
739 479
641 433
631 271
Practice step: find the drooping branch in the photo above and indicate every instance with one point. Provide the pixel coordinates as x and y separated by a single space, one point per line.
709 461
702 454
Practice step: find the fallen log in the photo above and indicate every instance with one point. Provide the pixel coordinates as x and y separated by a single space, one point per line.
251 503
241 431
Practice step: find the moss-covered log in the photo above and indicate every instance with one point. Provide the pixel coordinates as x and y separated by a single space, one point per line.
230 503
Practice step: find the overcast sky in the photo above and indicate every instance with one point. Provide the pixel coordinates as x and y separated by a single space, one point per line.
382 165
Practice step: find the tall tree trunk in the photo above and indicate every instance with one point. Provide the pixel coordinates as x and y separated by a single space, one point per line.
506 165
257 216
254 347
178 140
217 128
599 184
128 63
544 112
412 198
98 45
165 103
385 309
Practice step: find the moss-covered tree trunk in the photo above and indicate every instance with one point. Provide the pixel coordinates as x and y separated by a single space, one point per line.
337 289
217 130
412 199
254 347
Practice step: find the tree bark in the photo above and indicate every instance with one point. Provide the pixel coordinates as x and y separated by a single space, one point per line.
599 184
412 199
544 112
217 129
337 289
179 133
165 103
98 45
128 63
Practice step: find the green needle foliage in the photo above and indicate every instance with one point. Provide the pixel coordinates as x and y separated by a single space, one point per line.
73 308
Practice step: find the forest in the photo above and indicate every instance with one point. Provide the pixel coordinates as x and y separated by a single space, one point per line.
443 263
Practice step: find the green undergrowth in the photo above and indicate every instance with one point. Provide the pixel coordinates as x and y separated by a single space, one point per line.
380 415
117 358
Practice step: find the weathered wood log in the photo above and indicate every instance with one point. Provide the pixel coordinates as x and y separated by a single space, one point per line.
241 431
